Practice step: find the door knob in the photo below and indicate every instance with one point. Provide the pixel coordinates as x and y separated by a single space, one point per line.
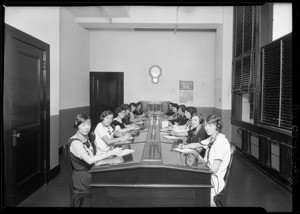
15 136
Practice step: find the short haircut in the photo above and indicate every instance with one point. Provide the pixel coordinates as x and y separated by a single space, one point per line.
119 109
192 110
80 118
139 103
182 107
132 104
214 119
201 119
105 113
175 105
125 106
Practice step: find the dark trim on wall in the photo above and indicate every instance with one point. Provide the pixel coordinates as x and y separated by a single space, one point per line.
275 135
274 175
53 173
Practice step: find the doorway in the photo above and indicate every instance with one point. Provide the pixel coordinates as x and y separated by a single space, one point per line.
106 93
26 113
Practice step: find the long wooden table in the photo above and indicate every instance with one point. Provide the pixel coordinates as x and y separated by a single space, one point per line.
153 176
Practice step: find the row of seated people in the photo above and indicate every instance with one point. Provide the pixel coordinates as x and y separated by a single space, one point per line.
87 148
186 122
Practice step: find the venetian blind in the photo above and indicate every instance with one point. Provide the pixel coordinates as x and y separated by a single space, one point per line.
244 48
276 82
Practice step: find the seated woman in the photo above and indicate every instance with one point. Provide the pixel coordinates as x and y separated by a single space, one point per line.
138 111
197 132
126 119
133 117
181 119
217 155
105 133
183 130
170 110
84 153
119 126
175 108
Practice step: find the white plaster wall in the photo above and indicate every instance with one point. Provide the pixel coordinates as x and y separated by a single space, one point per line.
282 19
183 56
74 63
227 42
43 24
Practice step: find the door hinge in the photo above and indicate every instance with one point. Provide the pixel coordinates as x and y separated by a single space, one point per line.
44 65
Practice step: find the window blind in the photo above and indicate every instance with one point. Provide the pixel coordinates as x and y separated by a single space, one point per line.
244 48
276 82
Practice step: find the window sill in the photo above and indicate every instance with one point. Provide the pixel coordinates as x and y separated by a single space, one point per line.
274 133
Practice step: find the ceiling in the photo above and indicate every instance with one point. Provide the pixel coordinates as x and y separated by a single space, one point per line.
100 11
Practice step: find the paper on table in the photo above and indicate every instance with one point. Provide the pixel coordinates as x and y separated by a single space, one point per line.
164 124
184 150
125 152
164 130
110 161
170 137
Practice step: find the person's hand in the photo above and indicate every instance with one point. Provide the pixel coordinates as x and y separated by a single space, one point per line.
115 151
126 136
173 133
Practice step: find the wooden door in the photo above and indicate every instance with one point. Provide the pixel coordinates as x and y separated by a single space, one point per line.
26 114
106 93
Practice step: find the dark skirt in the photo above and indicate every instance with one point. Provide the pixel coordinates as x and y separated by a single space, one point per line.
82 180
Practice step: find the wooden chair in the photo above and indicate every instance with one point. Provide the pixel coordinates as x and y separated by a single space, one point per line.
75 195
221 199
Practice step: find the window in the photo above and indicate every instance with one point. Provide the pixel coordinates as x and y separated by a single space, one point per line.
244 49
276 83
243 61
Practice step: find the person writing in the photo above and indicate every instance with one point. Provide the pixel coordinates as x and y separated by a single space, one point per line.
138 111
120 127
84 154
181 119
217 155
105 134
133 118
197 133
182 131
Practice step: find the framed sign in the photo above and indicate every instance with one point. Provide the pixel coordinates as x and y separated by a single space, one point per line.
186 91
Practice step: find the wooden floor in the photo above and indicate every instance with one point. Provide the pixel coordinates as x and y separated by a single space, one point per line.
249 188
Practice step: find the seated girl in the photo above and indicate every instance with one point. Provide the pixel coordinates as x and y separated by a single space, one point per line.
197 132
170 111
105 133
217 155
175 108
120 127
181 130
181 119
138 111
133 117
84 153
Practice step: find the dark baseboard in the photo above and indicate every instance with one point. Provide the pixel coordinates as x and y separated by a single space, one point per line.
50 175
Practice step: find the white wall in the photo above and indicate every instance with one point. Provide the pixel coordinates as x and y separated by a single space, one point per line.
183 56
282 19
43 23
74 63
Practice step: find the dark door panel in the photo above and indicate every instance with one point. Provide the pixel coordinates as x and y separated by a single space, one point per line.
106 93
26 110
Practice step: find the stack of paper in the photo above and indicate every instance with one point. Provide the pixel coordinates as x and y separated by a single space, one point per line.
169 137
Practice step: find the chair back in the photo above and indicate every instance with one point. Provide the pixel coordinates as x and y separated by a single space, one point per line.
221 198
66 149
